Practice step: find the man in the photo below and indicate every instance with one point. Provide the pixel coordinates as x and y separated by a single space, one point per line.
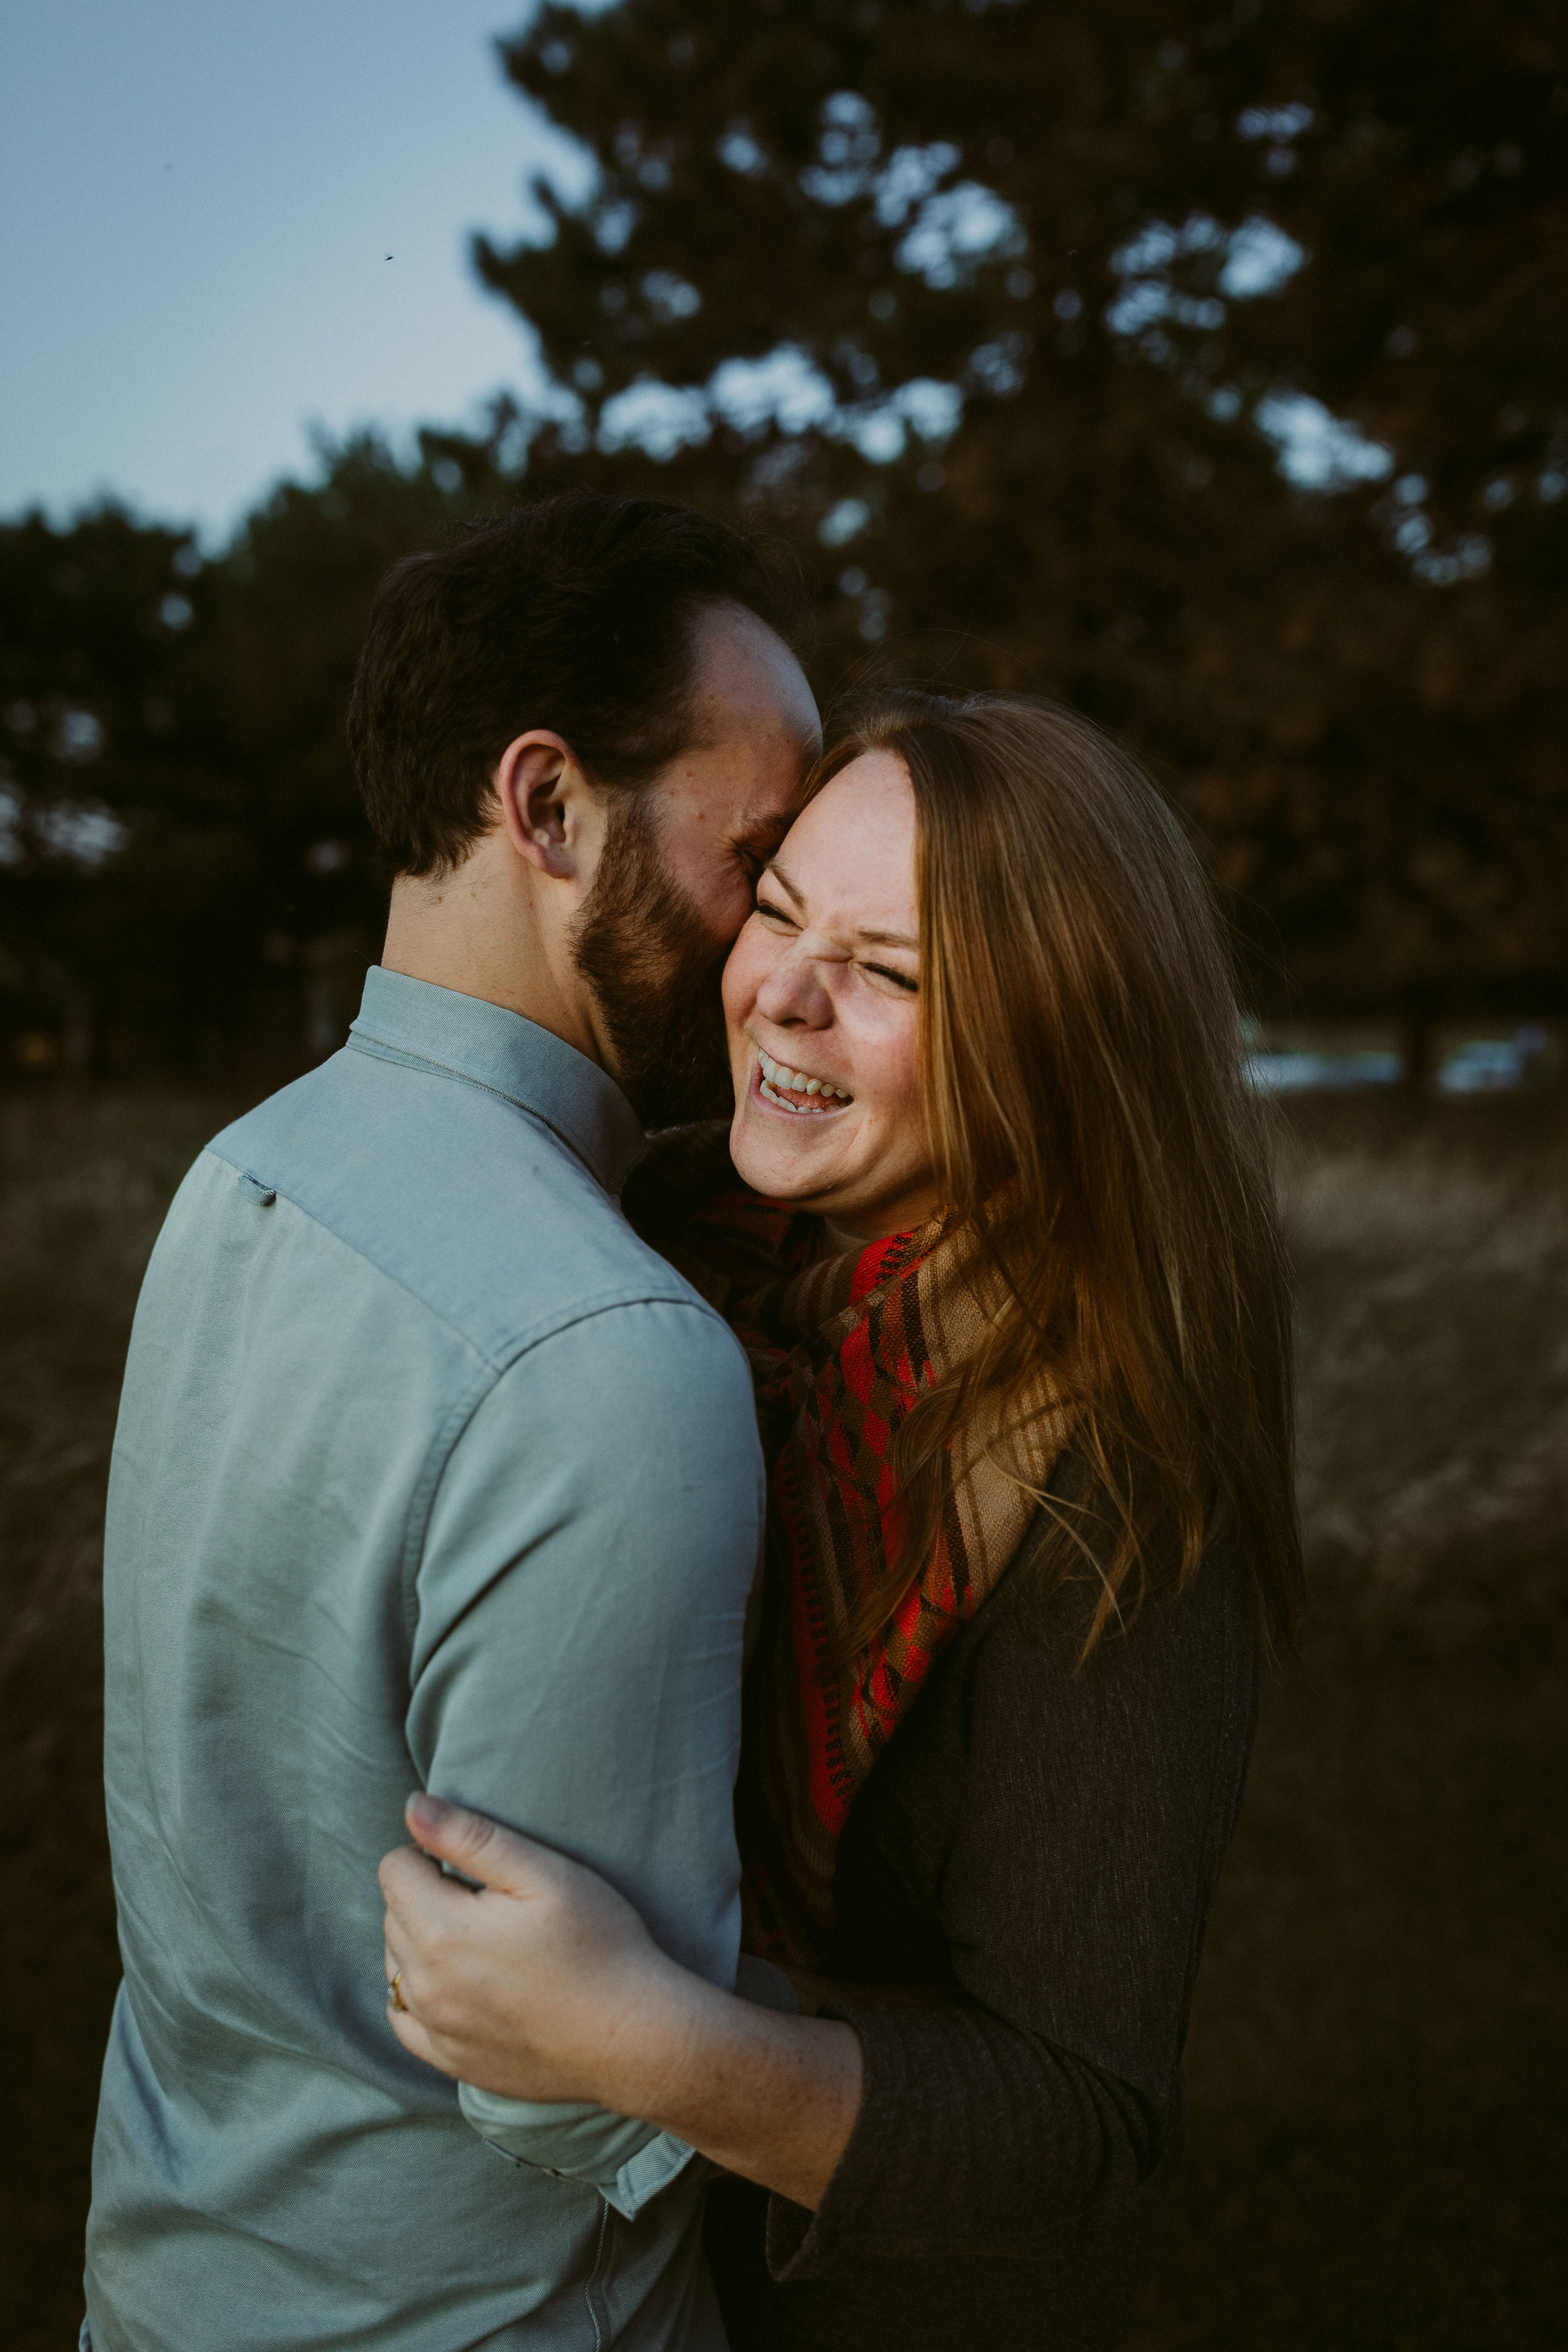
429 1474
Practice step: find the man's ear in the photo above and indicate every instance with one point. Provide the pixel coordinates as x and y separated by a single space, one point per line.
544 798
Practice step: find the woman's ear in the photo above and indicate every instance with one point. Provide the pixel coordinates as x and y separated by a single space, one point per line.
548 807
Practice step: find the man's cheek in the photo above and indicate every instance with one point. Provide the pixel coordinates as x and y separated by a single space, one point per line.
738 898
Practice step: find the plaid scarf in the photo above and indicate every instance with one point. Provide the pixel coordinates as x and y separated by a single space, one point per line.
840 1348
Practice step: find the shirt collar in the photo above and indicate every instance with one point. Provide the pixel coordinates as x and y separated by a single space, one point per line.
515 1058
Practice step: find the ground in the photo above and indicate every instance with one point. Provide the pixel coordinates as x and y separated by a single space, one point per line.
1380 2024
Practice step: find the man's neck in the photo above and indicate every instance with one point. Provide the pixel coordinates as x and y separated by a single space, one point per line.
470 932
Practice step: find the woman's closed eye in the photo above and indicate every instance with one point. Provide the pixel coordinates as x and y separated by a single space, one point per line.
779 916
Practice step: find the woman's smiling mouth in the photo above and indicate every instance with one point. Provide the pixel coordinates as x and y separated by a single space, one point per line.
794 1090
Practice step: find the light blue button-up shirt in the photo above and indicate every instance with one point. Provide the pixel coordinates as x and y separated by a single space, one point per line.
428 1473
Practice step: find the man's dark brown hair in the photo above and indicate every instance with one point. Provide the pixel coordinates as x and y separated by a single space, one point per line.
575 614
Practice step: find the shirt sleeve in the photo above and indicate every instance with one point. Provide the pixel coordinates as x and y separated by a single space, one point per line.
581 1598
1097 1808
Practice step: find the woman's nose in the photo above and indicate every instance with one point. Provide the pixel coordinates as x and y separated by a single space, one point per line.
793 993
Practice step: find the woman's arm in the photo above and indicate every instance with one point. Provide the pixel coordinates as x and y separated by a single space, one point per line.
546 1985
1093 1810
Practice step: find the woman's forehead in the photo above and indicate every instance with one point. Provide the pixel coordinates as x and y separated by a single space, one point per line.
850 854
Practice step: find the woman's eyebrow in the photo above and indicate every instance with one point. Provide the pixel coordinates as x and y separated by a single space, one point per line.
872 939
776 870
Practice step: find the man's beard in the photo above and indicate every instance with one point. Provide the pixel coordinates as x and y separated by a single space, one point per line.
655 968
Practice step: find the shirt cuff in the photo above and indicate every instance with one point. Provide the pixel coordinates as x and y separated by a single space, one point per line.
643 2176
627 2161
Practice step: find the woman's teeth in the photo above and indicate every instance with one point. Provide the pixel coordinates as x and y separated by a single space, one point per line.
777 1082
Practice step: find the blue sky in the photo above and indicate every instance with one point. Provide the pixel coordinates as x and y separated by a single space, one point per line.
197 198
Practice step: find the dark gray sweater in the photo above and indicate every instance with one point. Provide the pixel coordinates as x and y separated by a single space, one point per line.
1044 1842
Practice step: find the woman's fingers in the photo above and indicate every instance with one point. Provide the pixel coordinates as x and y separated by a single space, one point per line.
417 1898
398 1965
404 1987
419 2043
416 1905
520 1987
394 1956
479 1848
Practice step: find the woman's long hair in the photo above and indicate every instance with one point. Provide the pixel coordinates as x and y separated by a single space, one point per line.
1096 1143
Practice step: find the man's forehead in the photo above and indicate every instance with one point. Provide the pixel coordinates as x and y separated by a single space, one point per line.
747 791
749 681
772 782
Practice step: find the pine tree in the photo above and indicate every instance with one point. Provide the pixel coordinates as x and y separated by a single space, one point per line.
184 863
1004 311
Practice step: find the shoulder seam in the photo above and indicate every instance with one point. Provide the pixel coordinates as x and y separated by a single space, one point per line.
607 1303
520 1342
227 1161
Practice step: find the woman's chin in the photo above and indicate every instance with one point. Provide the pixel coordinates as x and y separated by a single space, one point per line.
780 1168
770 1174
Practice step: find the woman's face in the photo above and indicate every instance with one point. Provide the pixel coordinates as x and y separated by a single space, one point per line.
821 999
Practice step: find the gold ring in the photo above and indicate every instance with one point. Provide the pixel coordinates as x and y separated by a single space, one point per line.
394 1991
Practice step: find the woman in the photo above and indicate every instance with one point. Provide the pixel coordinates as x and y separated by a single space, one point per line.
1009 1274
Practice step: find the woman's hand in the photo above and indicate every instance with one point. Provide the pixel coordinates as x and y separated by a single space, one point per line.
546 1985
525 1987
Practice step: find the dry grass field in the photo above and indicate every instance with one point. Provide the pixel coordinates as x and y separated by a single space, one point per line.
1381 2023
1381 2033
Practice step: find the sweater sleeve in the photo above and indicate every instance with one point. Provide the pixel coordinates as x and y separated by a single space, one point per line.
1096 1808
